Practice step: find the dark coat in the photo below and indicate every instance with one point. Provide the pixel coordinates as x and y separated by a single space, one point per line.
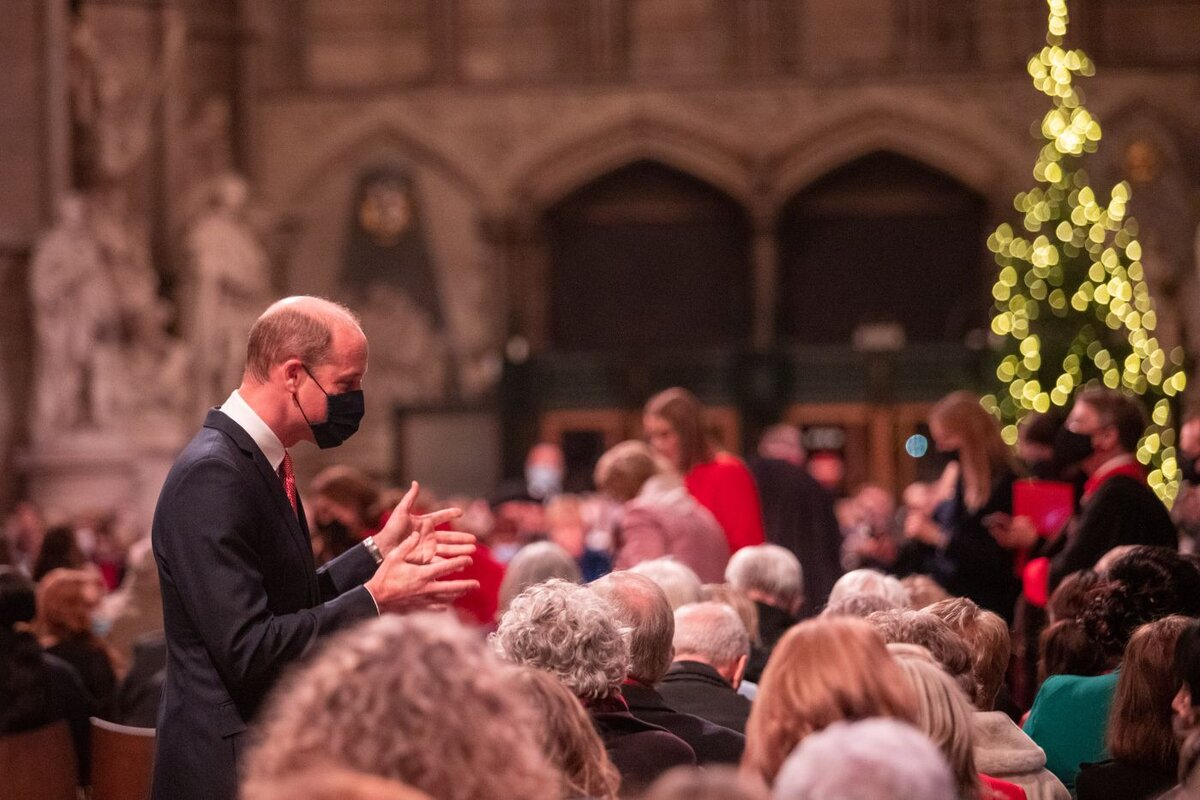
1119 780
712 744
798 515
691 687
241 601
640 751
1122 510
773 623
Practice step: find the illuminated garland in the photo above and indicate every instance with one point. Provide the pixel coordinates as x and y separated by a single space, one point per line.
1072 307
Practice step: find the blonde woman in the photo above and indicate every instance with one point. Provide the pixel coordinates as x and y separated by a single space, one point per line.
944 715
959 552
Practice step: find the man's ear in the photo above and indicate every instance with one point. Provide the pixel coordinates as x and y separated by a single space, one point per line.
293 374
739 669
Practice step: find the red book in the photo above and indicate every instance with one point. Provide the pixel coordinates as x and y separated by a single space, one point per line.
1049 504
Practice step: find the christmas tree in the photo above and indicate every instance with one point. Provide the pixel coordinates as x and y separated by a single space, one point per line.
1072 307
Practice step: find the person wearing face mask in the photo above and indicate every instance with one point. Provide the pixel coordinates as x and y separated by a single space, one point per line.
345 510
1117 507
962 556
242 598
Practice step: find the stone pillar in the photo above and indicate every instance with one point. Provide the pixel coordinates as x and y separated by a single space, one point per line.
765 280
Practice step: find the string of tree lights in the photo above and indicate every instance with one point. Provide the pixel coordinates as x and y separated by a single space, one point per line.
1072 307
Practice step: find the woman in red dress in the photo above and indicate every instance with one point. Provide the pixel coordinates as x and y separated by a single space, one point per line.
674 427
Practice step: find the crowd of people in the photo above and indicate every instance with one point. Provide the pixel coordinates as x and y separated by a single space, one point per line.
702 626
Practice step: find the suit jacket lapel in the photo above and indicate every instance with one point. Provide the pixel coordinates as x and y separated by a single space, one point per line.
296 526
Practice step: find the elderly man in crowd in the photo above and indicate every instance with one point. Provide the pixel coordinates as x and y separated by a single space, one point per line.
571 632
711 652
642 607
769 575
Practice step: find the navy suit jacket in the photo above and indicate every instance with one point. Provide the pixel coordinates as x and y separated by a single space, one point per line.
241 600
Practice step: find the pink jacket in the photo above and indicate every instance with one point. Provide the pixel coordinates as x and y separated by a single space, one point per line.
667 521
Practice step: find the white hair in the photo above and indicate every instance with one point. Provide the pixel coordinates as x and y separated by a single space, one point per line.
874 759
568 631
537 563
711 630
767 569
869 581
676 579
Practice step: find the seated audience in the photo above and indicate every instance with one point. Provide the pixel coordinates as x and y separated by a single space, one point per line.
568 738
1066 649
660 518
770 576
343 508
823 671
711 783
857 605
873 759
1002 750
1070 714
737 600
873 582
533 564
1144 756
673 421
930 632
681 585
570 523
1069 599
641 607
1186 710
711 651
570 632
923 591
36 689
66 599
60 550
329 782
135 609
944 715
417 699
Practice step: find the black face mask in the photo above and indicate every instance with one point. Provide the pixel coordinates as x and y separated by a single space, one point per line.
344 413
1188 468
1070 447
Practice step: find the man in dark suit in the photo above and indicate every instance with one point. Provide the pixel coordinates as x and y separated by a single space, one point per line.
241 597
798 513
639 604
711 651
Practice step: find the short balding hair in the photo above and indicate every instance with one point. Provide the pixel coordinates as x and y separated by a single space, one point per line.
711 630
292 328
640 605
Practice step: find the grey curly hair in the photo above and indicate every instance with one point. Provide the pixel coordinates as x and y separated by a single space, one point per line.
376 699
568 631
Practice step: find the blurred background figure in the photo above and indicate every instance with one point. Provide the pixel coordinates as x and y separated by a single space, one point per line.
673 422
660 518
798 512
345 509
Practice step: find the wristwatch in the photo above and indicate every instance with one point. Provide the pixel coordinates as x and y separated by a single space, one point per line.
373 549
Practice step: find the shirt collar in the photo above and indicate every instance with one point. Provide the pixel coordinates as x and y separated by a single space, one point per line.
248 420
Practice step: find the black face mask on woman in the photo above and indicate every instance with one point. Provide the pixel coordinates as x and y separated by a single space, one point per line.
344 413
1070 447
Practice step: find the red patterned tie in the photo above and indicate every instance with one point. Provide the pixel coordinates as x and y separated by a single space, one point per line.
289 480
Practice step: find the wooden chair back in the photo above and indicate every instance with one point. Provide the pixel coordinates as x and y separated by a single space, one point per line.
39 764
122 761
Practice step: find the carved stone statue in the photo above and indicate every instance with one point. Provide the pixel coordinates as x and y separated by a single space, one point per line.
228 284
76 323
411 363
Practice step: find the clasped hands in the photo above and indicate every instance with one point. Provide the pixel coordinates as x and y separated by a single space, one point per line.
416 555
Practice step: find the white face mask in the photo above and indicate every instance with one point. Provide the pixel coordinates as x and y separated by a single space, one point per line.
543 480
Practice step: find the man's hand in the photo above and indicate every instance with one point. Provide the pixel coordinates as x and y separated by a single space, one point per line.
402 523
407 582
